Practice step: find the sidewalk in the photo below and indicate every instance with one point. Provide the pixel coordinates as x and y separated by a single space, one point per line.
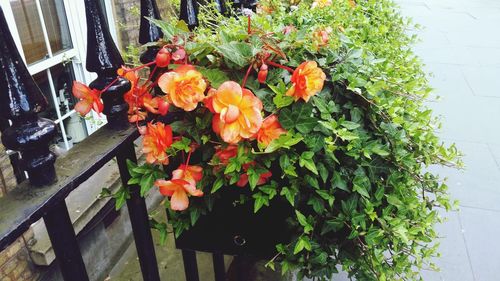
461 47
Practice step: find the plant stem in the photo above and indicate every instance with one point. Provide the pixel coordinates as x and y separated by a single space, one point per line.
280 66
246 75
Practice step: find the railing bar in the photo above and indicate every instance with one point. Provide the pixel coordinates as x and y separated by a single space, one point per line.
138 217
219 267
63 238
190 265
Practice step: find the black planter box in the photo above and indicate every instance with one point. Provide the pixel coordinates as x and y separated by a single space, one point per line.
236 230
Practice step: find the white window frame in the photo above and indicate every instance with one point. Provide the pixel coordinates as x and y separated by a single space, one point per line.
75 16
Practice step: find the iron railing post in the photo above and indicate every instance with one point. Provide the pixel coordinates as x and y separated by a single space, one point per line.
219 267
138 218
190 265
104 59
63 238
189 13
20 101
148 33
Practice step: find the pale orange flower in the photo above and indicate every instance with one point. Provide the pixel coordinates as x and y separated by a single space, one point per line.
307 80
321 3
270 130
89 99
185 87
157 138
238 112
183 182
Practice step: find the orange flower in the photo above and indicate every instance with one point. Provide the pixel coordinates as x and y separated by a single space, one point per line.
208 101
89 99
321 3
225 154
307 80
183 181
270 130
189 173
157 139
238 112
185 87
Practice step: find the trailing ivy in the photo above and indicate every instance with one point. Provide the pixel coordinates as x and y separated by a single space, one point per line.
355 157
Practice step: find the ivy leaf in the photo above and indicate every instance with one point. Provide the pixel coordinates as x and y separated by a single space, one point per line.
284 141
215 76
315 141
217 185
260 200
238 53
306 160
298 117
146 183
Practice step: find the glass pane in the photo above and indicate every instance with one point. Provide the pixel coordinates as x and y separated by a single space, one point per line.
42 80
62 77
30 31
56 23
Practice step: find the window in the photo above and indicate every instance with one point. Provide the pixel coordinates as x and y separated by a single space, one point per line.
51 35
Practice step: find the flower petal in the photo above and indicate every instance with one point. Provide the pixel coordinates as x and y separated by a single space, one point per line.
179 200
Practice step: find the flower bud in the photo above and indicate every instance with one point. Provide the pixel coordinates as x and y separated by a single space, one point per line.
262 75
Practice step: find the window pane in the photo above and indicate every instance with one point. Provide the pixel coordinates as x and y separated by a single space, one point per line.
63 77
30 31
54 16
42 80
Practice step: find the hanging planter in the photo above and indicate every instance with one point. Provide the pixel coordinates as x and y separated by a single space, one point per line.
297 133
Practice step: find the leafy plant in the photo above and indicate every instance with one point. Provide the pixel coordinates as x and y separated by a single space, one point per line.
345 126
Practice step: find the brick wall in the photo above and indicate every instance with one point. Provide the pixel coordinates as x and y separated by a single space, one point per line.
15 264
127 16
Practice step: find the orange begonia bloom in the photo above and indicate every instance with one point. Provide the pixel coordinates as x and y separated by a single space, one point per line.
238 112
183 181
157 138
89 99
225 154
185 87
270 130
307 80
321 3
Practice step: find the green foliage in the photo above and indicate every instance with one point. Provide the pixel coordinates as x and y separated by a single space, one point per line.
354 162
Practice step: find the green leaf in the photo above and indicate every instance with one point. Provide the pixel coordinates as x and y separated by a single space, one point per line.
217 184
260 200
215 76
253 177
312 181
298 117
323 171
315 141
284 141
339 182
289 194
146 183
238 53
307 161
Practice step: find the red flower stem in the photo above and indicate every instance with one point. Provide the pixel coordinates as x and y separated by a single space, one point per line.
109 86
152 73
246 76
249 25
188 158
280 66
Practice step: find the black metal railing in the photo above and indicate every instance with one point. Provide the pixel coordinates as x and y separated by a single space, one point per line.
51 180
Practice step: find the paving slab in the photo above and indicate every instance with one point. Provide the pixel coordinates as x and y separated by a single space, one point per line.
481 228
